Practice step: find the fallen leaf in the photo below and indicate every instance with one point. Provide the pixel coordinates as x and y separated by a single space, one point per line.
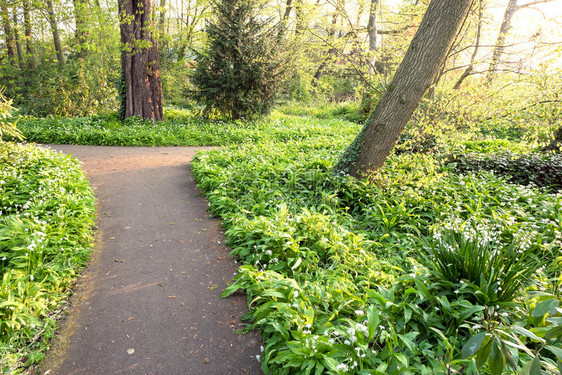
171 297
119 260
130 351
206 360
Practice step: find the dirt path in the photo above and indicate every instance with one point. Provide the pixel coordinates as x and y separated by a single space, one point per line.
150 303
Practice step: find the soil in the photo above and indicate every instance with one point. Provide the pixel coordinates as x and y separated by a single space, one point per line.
149 302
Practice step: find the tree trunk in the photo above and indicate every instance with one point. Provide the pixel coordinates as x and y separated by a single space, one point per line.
28 36
422 62
81 18
8 32
55 31
139 61
372 25
470 66
19 49
502 36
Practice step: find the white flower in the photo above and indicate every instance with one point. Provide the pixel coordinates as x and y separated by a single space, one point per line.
359 313
31 277
295 294
258 357
342 367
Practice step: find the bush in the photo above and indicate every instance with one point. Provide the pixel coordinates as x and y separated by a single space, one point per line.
239 74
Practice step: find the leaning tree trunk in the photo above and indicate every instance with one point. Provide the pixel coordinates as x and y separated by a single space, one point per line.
139 61
424 58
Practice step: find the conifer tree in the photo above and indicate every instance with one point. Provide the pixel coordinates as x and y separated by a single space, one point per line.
239 73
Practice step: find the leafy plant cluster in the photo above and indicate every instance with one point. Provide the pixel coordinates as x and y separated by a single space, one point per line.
344 277
181 128
46 215
543 170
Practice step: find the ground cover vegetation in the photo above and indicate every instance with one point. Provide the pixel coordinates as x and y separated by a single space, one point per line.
46 219
447 260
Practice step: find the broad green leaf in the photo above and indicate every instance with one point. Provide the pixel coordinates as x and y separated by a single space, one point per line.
525 332
553 332
535 366
557 351
496 361
472 345
330 363
373 320
544 307
483 354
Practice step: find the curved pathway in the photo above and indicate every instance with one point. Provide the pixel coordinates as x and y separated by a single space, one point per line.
149 303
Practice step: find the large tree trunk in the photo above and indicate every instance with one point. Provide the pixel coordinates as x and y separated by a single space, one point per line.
8 32
424 58
27 31
81 18
139 61
55 31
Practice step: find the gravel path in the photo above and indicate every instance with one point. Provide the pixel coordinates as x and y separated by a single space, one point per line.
149 303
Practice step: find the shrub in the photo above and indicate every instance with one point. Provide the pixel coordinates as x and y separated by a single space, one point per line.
239 74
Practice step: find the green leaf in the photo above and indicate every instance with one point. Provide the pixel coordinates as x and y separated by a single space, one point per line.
496 361
557 351
473 345
526 333
547 306
483 354
535 366
553 332
373 320
330 363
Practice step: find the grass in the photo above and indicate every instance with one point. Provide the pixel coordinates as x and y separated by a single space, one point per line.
46 216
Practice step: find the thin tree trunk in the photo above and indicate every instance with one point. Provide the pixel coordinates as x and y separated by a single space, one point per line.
470 66
299 25
162 20
81 18
372 25
139 60
28 35
418 69
55 31
8 32
331 51
288 8
502 36
19 49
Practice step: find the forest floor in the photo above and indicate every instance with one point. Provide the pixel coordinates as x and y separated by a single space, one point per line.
149 302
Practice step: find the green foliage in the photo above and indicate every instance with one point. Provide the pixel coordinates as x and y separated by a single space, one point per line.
239 73
47 211
339 274
543 170
6 128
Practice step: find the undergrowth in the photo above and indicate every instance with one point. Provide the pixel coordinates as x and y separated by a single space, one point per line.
46 216
342 276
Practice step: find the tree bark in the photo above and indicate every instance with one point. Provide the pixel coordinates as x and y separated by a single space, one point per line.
28 35
372 25
55 31
19 49
470 66
422 62
502 36
8 32
139 61
81 18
